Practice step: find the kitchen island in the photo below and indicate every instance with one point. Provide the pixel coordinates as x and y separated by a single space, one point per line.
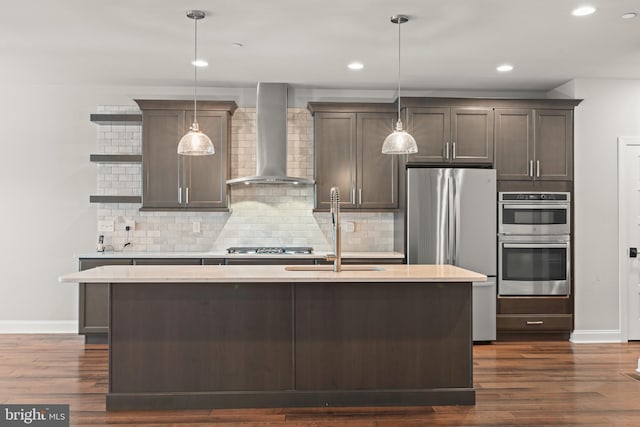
265 336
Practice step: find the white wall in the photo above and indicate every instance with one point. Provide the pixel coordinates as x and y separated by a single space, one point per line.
611 108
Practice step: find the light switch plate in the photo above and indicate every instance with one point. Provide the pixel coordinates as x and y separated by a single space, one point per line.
196 227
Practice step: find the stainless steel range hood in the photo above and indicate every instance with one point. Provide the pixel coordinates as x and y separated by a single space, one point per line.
271 138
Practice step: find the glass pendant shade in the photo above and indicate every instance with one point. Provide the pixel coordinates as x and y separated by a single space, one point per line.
399 142
195 143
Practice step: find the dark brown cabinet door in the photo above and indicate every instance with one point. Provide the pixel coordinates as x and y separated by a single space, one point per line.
348 154
161 181
171 181
534 145
451 135
471 135
335 158
377 172
93 316
514 144
431 128
554 145
205 176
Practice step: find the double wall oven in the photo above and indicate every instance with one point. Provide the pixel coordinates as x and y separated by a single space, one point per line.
534 243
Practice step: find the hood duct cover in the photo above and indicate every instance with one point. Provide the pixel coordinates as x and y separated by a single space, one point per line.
271 138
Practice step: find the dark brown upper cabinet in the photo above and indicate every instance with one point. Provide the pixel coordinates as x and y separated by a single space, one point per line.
348 154
461 135
534 144
170 181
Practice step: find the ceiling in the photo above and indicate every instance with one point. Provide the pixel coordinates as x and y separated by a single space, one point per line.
446 45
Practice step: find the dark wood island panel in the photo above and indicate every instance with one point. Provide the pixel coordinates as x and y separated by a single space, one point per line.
274 344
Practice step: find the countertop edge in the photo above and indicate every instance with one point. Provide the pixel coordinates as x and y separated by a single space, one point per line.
269 274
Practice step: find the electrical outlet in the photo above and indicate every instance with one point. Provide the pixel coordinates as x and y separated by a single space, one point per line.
105 226
196 227
348 226
130 223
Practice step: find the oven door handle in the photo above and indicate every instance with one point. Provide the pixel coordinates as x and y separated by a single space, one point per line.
544 206
535 245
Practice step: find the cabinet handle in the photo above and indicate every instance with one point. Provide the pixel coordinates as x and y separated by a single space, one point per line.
353 195
179 195
453 150
535 322
538 168
446 150
186 193
531 168
360 196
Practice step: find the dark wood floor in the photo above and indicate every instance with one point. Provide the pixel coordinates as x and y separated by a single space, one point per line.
523 383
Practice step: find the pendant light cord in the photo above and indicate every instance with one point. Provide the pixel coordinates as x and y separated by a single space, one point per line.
399 25
195 73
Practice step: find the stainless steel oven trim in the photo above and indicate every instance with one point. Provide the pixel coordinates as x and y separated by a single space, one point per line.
538 287
560 229
567 194
534 245
540 206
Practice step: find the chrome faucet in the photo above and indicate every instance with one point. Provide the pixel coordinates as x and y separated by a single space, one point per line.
336 257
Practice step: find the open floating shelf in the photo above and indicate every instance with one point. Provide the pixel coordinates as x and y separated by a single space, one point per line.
115 199
116 119
115 158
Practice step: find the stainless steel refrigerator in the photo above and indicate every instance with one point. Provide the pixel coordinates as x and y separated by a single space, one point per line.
451 219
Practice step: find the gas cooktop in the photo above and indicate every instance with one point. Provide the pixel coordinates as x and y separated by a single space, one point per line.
270 250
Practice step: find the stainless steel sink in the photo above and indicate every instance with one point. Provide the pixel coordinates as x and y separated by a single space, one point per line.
330 268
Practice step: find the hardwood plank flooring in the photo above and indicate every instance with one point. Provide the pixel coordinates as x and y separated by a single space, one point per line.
518 383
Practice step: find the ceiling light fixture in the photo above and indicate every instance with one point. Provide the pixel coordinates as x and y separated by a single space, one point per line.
504 68
399 141
583 11
356 66
195 143
629 15
200 63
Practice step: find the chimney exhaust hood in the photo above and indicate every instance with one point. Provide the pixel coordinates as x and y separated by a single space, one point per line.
271 138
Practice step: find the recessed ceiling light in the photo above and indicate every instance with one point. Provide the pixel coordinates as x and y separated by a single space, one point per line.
200 63
237 44
629 15
504 68
356 66
583 11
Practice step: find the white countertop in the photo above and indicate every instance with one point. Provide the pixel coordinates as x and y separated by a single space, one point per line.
268 274
224 254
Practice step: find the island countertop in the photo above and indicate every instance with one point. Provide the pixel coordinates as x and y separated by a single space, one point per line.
270 273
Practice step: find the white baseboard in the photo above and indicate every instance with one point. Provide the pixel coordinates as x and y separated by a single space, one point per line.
38 326
596 336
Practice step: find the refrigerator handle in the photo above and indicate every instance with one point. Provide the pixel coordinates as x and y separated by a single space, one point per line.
452 223
454 226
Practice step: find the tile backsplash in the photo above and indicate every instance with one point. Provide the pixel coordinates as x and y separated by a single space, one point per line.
260 215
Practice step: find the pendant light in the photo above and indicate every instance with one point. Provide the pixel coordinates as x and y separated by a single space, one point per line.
195 143
399 141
